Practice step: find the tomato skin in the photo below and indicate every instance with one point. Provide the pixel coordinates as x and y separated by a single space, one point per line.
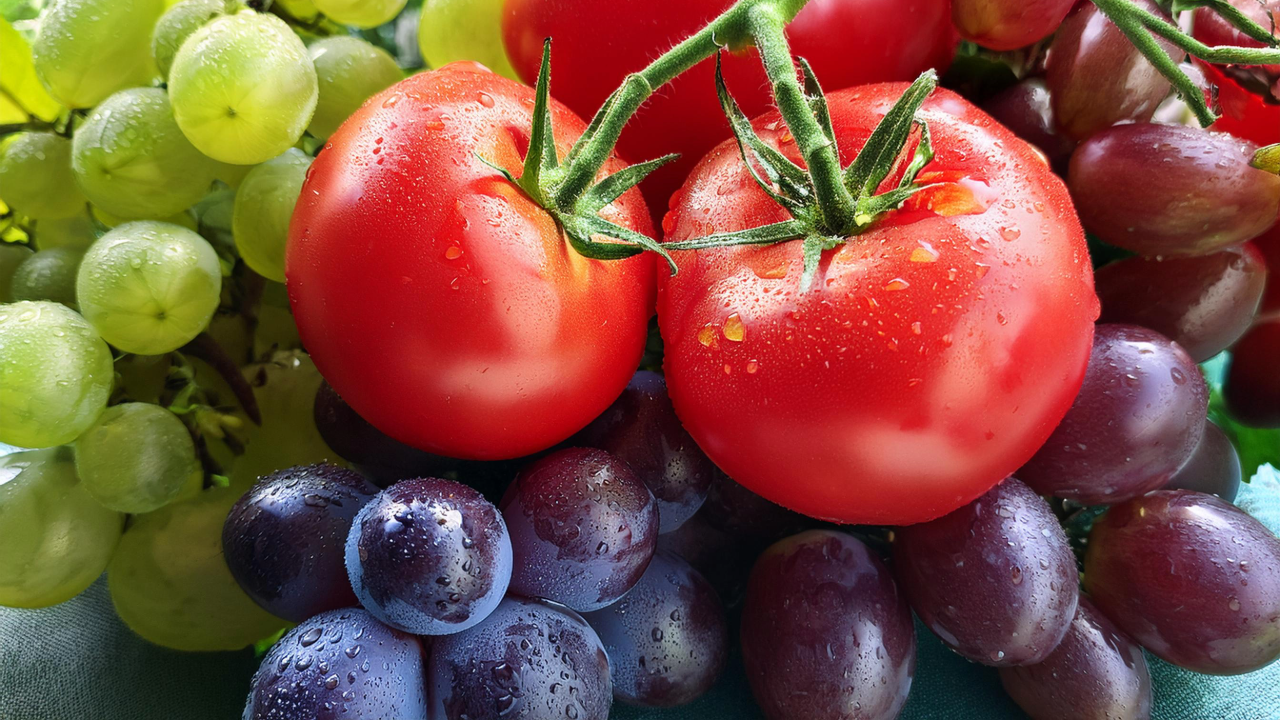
932 356
596 43
439 301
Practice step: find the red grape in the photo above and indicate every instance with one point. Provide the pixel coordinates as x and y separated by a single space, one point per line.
1008 24
1214 468
996 579
1191 577
738 511
1252 389
1268 244
1026 110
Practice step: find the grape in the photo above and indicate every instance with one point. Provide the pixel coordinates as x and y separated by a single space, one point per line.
12 255
1202 303
35 176
1025 109
87 49
56 539
529 660
349 71
131 159
56 374
340 664
667 639
723 559
264 204
1252 389
1008 24
76 232
642 430
110 221
450 30
996 579
283 539
170 584
1214 468
1197 192
149 287
1097 78
177 24
243 88
361 13
583 528
825 631
48 275
429 556
1214 30
1097 672
1137 419
1192 578
732 508
136 458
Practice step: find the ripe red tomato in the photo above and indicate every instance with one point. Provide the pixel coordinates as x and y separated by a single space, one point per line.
931 357
597 42
440 301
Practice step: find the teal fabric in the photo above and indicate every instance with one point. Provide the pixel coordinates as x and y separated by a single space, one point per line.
77 662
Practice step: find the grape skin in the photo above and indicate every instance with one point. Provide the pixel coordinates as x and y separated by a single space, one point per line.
349 71
263 206
56 374
12 255
361 13
136 458
48 275
177 24
1214 468
35 176
87 49
452 30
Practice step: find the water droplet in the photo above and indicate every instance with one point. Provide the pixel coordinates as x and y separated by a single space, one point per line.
309 637
753 366
1010 234
896 284
453 252
733 329
486 99
924 254
1233 605
707 336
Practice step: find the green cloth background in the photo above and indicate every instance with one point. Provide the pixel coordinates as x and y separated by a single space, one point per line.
77 662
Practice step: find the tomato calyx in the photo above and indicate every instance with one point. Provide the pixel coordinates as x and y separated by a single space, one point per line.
1267 159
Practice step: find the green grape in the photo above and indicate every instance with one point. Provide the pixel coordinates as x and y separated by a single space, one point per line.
243 88
149 287
35 176
450 30
350 71
361 13
264 204
12 255
183 219
57 540
169 583
276 329
232 175
74 232
55 373
131 159
87 49
48 275
141 378
176 25
136 458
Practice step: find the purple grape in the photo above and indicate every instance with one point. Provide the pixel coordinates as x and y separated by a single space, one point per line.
667 639
1191 577
429 556
723 559
996 579
1026 110
642 430
1097 672
583 528
359 442
738 511
529 660
340 665
1214 468
283 539
825 633
1137 419
1162 190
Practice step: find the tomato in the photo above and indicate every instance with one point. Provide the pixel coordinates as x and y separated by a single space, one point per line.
932 355
1252 112
596 43
441 302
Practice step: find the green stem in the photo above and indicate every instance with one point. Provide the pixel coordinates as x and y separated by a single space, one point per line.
835 202
1244 23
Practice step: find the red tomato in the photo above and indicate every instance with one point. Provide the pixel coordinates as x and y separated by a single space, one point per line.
1245 113
441 302
930 359
597 42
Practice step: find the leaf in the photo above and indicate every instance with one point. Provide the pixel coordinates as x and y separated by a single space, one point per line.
1267 159
613 186
764 235
22 96
817 101
879 155
580 230
541 157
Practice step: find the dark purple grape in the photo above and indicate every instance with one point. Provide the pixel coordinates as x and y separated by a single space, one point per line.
283 539
667 639
1191 577
359 442
529 660
1162 190
1097 672
825 633
1026 110
1252 388
1137 419
738 511
996 579
642 430
583 528
429 556
340 665
1202 303
723 559
1214 468
1097 78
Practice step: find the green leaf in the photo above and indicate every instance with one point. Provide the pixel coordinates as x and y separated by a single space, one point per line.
881 152
764 235
613 186
817 101
923 155
541 157
22 96
581 228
